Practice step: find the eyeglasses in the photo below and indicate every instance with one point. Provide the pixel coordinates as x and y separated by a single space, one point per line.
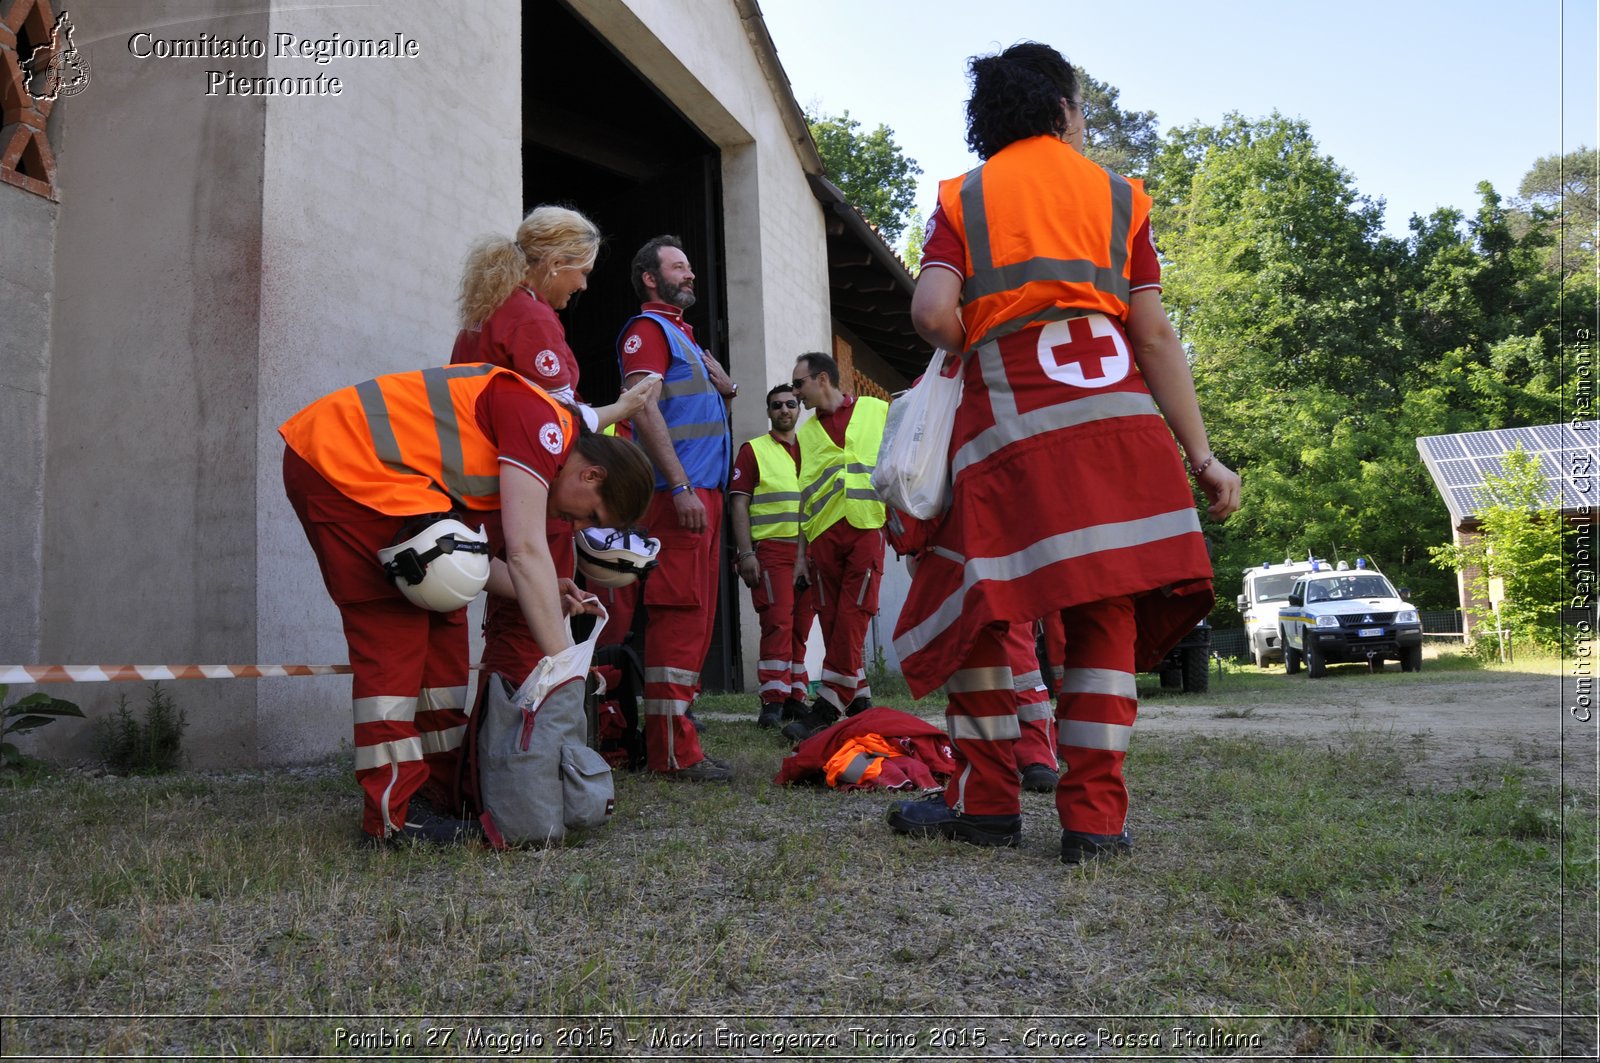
798 382
783 404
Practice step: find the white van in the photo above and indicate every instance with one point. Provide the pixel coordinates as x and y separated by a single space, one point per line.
1266 589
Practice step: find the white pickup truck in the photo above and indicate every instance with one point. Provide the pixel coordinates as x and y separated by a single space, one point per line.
1345 614
1266 588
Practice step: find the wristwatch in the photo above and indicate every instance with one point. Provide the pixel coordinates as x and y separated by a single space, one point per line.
733 390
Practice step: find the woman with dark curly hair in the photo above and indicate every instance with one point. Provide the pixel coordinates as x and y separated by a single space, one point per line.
1039 269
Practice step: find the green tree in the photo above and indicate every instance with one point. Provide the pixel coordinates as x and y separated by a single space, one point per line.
869 168
1518 541
1558 194
1124 141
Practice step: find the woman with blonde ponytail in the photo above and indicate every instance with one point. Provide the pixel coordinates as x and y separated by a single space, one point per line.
511 290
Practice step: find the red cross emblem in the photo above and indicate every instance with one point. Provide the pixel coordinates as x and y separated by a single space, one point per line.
1084 352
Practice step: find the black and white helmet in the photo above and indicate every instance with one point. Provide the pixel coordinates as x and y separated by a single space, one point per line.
612 557
442 567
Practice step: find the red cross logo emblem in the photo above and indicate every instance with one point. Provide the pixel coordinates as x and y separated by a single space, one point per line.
1084 352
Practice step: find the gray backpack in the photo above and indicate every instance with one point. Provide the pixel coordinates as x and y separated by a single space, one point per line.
537 775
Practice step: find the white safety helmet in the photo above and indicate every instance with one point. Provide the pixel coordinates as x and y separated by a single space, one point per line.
609 557
442 567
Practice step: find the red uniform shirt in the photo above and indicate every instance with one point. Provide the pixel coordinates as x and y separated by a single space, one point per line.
524 429
747 474
644 348
525 335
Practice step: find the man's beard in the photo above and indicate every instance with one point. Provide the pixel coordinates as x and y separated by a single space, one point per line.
679 295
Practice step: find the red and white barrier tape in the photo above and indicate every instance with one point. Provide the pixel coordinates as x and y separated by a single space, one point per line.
114 673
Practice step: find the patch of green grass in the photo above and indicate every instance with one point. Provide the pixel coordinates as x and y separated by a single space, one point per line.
1271 877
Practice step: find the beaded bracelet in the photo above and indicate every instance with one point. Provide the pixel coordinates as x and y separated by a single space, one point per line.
1203 466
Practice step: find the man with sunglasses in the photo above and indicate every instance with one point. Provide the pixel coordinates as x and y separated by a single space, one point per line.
764 504
842 522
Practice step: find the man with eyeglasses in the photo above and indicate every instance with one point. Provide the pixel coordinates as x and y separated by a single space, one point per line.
841 521
686 435
764 505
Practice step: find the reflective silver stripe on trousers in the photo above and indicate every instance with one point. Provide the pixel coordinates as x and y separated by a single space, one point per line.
443 741
1084 734
1035 712
1045 552
1098 681
384 708
1028 681
400 751
680 677
436 698
664 707
772 666
983 728
988 279
973 680
774 685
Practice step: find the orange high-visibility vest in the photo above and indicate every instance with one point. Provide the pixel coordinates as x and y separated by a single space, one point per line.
1046 230
409 443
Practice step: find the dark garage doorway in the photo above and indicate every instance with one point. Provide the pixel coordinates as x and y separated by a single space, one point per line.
598 137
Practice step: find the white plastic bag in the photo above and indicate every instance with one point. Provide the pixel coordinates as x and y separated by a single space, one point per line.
537 776
913 470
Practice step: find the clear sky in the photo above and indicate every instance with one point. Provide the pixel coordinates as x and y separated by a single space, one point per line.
1418 99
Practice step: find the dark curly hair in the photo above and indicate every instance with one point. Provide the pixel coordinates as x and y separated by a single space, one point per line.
1017 94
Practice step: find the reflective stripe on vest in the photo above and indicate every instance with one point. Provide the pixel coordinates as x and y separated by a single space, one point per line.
775 505
410 443
837 483
696 416
1048 234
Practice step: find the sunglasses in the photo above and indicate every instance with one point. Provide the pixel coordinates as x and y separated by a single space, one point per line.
783 404
798 382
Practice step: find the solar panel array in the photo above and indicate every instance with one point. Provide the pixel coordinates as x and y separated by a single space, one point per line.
1569 459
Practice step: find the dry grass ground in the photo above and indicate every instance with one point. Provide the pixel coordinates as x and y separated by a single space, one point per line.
1288 897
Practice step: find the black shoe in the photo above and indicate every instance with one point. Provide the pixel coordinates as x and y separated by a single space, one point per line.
429 830
793 709
706 770
1039 779
771 714
858 706
1076 846
818 717
932 818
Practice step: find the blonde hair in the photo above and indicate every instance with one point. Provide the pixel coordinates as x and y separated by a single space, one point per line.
559 236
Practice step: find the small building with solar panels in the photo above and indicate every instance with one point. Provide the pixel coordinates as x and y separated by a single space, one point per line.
1568 455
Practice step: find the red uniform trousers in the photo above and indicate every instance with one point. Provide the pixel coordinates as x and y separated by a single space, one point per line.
981 719
1036 739
681 597
1095 715
410 664
1055 647
509 647
847 566
786 616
